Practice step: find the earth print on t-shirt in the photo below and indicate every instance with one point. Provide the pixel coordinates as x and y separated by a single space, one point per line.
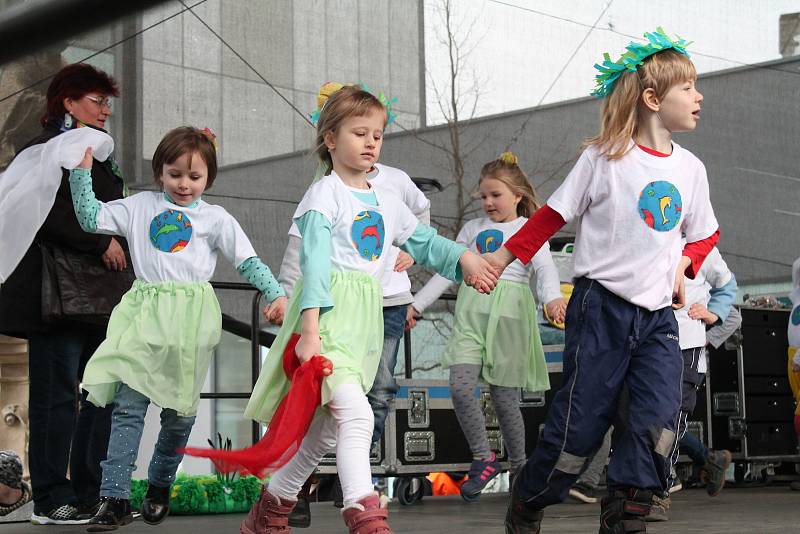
660 206
367 234
489 240
170 231
796 316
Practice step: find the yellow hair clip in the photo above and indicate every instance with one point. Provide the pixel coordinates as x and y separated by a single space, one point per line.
325 91
509 157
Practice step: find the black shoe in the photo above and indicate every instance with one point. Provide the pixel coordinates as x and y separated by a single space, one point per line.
86 511
113 513
155 505
623 512
338 496
300 516
520 518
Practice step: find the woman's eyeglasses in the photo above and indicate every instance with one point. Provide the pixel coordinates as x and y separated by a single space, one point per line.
101 101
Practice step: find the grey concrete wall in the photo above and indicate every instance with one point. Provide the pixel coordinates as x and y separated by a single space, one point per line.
191 77
747 138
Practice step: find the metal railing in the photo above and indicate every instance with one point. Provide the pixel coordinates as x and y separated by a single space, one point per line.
257 338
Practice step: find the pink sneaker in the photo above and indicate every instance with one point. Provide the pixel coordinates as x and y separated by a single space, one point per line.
368 515
269 515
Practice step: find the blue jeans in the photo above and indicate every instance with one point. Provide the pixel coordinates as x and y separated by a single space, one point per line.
127 423
384 388
694 449
66 431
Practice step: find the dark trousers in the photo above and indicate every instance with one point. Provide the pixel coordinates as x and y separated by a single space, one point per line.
62 420
692 380
610 345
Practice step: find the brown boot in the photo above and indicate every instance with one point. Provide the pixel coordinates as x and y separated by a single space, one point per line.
269 515
368 515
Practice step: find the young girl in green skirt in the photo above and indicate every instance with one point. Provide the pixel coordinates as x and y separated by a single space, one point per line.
495 337
347 228
164 330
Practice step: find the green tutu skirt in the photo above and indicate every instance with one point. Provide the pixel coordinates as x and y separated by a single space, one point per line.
499 331
352 338
160 341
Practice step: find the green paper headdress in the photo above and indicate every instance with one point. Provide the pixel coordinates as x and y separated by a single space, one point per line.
635 54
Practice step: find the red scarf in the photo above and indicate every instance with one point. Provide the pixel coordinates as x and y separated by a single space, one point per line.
288 426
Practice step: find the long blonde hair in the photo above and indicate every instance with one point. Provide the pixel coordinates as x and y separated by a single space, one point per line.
619 117
506 169
349 101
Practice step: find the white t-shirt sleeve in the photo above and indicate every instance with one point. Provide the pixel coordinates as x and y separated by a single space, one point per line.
572 198
548 284
406 224
417 201
231 240
700 222
114 217
467 233
717 272
320 197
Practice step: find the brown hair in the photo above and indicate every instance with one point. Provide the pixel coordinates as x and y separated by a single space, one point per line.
75 81
506 169
619 117
349 101
183 140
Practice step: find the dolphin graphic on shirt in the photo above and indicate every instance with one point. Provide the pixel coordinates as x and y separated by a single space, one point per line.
167 228
663 204
372 231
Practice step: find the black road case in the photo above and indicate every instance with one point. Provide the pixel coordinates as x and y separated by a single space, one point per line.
746 405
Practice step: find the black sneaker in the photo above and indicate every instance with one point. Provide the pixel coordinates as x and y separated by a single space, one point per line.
713 473
300 516
583 493
795 486
66 514
113 513
520 518
624 512
86 511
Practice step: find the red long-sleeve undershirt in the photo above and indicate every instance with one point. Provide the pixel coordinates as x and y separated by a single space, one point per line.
547 221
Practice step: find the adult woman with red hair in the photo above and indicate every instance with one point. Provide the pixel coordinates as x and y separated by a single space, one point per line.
78 96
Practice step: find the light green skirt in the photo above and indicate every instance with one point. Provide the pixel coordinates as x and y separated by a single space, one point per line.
159 342
499 331
352 338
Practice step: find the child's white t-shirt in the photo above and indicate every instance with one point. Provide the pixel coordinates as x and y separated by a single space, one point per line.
171 243
484 235
631 214
396 182
361 234
794 318
713 274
